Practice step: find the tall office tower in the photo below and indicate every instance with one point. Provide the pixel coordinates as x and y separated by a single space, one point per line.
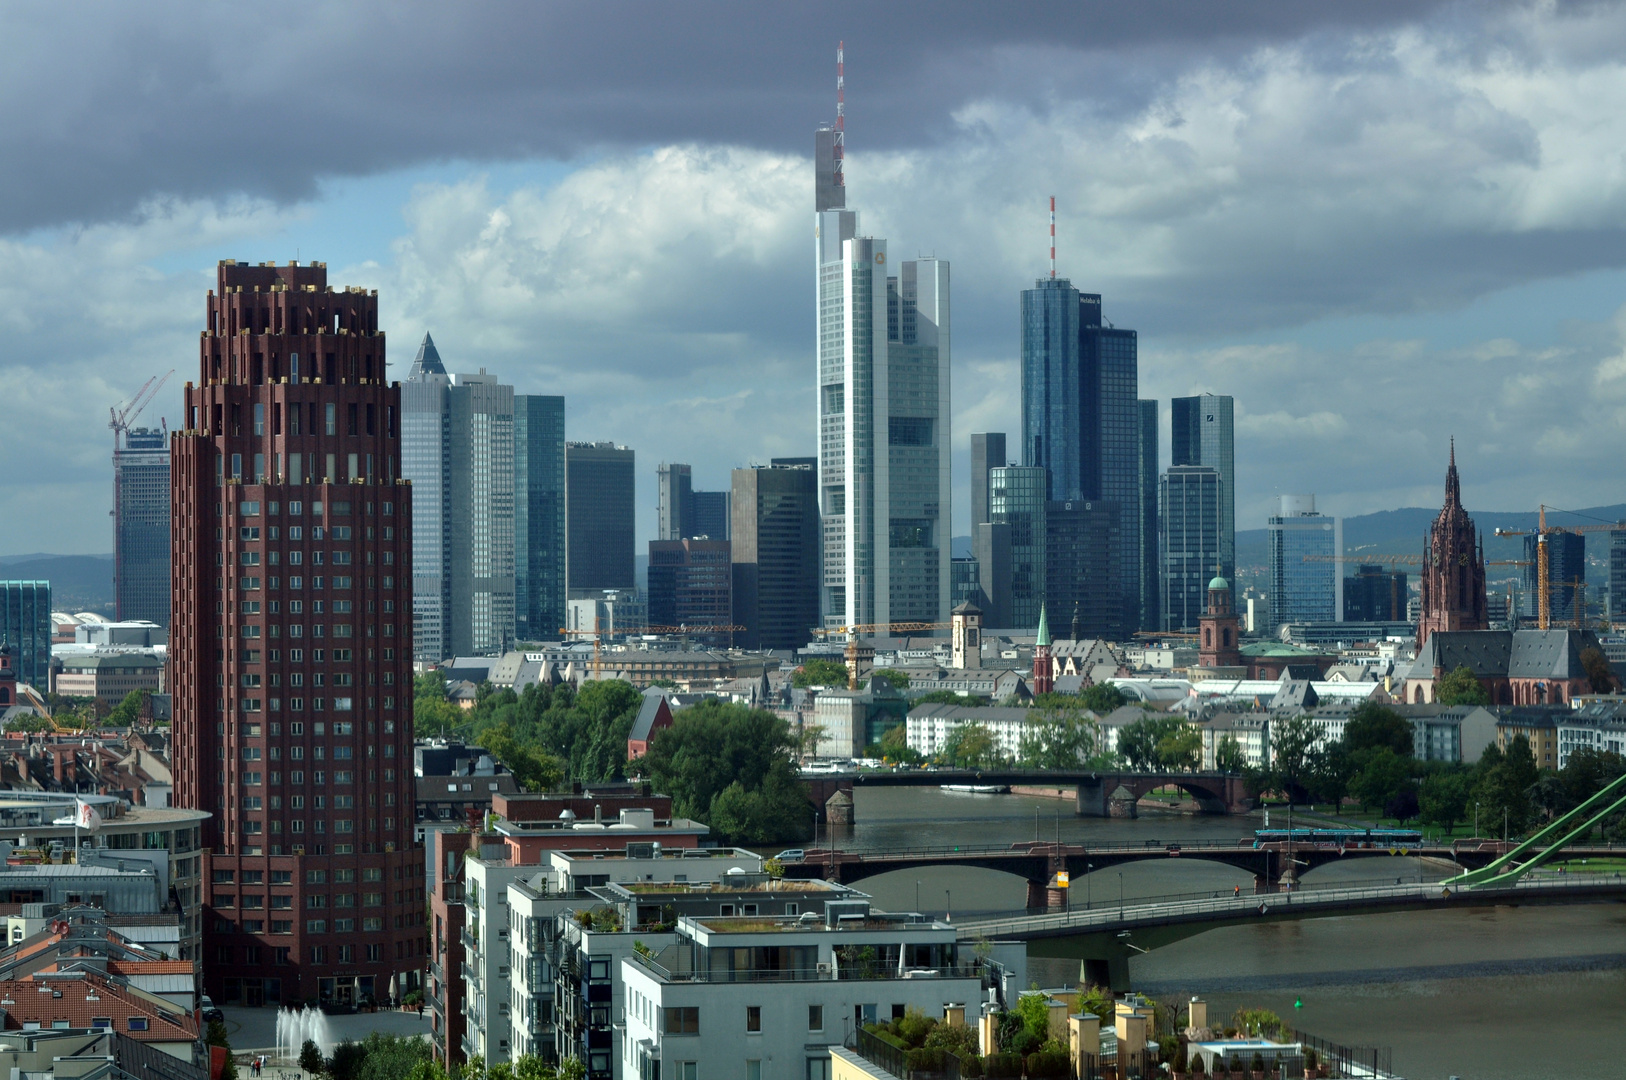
710 517
291 644
1617 575
539 516
141 525
1203 433
991 544
1189 515
775 548
1373 594
883 418
25 625
1081 569
674 495
1081 419
601 513
458 442
691 584
1150 568
1453 577
423 462
1305 591
987 452
1016 500
1566 576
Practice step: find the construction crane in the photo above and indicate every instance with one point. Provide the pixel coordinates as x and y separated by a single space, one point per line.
121 420
1400 560
1544 598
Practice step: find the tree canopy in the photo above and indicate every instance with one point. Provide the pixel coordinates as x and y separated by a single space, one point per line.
732 767
971 746
1460 686
818 671
1157 741
1372 726
1060 735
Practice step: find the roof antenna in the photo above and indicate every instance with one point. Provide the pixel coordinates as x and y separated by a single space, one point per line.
841 114
1052 238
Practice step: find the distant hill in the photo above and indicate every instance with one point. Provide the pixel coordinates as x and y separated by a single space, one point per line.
78 582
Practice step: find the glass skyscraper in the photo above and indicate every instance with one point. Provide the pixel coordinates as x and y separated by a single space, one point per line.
601 487
539 516
1203 432
1016 499
1150 605
141 526
883 421
1081 419
1300 591
25 625
1189 513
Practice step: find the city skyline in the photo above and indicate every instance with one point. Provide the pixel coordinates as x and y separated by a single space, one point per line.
526 259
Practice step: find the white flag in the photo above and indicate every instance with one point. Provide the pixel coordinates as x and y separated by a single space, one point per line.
85 815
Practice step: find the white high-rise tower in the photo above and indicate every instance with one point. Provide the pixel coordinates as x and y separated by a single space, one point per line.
883 408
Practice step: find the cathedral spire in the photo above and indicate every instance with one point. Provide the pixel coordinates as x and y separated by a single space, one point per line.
1453 487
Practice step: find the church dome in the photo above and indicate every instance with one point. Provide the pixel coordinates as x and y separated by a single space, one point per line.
1219 583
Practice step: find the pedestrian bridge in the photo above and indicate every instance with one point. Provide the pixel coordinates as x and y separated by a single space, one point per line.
1104 937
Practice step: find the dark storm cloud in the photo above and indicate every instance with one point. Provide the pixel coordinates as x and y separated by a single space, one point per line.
105 107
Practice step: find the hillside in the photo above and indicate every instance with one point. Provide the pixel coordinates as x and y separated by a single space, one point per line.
78 582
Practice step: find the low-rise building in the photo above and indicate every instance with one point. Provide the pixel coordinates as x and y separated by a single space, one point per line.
1537 723
1598 726
767 998
855 719
108 675
1250 731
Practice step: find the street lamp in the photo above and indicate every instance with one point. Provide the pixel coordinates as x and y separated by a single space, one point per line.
917 894
1120 897
948 910
1087 884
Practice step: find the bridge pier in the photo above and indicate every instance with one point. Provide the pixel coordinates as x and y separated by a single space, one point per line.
1112 972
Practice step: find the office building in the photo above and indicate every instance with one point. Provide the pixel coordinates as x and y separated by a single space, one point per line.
1306 580
691 584
987 452
1566 576
964 584
710 519
1617 575
1081 419
674 491
775 548
600 517
1150 616
25 626
539 516
1189 517
292 671
1082 571
1203 432
458 445
1374 594
1016 499
141 525
991 546
883 347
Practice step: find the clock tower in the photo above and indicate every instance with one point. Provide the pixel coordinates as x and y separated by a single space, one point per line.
1453 567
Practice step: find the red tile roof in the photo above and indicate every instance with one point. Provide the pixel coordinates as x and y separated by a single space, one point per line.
25 1001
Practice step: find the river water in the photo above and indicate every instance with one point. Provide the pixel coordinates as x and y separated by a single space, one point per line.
1501 993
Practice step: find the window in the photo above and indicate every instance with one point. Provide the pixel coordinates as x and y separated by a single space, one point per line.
818 1068
815 1018
683 1020
687 1070
136 1023
753 1069
103 1023
753 1018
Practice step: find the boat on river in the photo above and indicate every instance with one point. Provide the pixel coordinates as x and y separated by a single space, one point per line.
976 789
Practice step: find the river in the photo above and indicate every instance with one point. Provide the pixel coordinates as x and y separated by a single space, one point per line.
1500 993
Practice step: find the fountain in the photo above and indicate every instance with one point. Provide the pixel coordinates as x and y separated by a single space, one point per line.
294 1028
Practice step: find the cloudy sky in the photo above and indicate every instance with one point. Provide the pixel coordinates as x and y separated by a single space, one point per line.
1375 224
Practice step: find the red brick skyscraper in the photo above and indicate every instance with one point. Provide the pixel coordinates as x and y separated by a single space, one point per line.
291 643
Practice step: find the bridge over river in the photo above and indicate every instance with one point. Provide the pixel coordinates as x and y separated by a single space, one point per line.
1099 794
1104 937
1040 863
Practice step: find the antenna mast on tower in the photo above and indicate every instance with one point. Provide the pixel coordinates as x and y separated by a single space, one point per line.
841 113
1052 237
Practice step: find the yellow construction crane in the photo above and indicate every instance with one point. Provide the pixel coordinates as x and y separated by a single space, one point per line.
1544 598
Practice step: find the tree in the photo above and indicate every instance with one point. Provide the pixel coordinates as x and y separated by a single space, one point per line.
818 671
950 697
432 714
1331 770
1181 750
971 746
534 769
1460 687
898 679
1102 698
1598 671
1058 737
1138 740
310 1057
1293 747
732 767
215 1035
1589 771
127 712
1443 797
1502 788
1229 756
1383 777
1372 726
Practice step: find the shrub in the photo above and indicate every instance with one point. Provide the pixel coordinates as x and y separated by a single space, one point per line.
1197 1068
914 1027
1004 1066
958 1039
1048 1064
924 1059
1310 1058
970 1067
1006 1028
884 1033
1258 1063
1024 1043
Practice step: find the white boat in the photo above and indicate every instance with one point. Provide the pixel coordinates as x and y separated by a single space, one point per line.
976 789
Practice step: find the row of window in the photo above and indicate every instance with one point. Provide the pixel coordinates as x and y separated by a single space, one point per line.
297 776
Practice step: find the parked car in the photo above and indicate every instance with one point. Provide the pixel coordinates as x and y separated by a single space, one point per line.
794 854
210 1012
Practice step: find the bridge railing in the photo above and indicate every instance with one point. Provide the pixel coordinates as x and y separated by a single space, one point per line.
1109 914
1021 847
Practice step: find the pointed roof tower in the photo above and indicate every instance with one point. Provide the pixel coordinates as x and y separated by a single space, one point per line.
427 362
1044 628
1453 486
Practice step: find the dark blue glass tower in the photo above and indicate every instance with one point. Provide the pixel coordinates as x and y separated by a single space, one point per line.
1081 420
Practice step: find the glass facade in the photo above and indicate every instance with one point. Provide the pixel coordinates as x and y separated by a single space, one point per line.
1081 568
1566 576
1081 420
775 548
1305 591
600 517
141 526
1150 604
539 516
25 625
1189 512
1016 499
1203 433
1617 574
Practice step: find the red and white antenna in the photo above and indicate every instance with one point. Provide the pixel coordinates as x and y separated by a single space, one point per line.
841 112
1052 236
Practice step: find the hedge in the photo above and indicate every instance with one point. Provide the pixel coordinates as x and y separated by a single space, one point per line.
1002 1066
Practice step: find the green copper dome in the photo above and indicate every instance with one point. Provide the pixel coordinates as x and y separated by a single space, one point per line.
1219 583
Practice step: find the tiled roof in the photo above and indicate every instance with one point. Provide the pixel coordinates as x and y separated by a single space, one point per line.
1483 652
1549 654
83 998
